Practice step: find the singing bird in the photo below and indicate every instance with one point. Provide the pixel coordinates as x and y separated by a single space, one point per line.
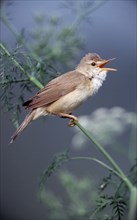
65 93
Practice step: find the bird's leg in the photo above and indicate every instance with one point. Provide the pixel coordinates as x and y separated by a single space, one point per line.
71 117
62 115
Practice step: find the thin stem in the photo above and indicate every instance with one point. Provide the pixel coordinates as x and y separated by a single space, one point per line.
13 81
133 203
132 189
98 161
109 158
31 78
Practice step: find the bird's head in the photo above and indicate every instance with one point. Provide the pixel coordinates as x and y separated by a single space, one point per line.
92 65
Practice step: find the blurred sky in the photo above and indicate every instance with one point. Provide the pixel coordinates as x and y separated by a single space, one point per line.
112 33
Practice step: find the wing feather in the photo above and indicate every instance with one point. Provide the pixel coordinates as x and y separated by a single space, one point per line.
55 89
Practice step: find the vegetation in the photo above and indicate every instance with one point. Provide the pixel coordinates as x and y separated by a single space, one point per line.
29 66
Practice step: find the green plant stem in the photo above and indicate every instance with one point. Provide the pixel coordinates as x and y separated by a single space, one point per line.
31 78
13 81
132 189
98 161
133 203
109 158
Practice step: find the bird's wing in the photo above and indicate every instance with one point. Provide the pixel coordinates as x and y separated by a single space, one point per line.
55 89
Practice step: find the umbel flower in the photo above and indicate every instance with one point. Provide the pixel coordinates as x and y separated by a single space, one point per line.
106 125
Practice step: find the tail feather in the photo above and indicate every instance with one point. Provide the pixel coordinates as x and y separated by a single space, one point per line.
24 124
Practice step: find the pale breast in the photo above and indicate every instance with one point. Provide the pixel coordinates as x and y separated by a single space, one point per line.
71 101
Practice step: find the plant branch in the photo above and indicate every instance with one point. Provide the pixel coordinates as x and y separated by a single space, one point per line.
104 152
98 161
132 189
13 81
15 62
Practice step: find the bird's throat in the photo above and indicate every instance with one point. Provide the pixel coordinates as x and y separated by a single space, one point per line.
98 81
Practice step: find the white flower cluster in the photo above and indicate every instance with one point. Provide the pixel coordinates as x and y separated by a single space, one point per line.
105 125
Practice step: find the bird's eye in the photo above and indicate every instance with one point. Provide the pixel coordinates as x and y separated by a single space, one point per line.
93 63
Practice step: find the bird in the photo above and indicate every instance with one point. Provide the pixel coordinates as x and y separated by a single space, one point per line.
63 94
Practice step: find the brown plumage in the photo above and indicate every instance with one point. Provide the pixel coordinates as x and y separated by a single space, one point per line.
24 124
66 92
52 92
55 89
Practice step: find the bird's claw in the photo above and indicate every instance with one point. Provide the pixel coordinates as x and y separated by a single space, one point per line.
72 122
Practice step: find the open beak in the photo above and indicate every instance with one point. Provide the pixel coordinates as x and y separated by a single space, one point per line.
102 63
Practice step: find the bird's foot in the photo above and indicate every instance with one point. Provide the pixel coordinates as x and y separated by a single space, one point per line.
71 117
72 122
